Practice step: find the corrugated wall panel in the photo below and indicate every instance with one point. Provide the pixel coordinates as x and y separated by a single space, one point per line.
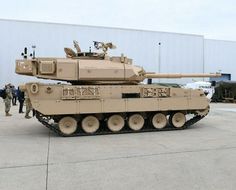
180 54
220 56
177 53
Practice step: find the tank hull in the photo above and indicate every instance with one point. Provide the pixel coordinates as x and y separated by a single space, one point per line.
72 110
54 99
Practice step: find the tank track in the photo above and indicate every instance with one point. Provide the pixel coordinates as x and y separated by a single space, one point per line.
104 130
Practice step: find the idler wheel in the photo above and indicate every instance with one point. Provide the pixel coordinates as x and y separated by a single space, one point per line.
203 112
115 122
136 122
67 125
159 121
90 124
177 119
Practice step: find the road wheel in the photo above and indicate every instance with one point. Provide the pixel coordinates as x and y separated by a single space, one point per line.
136 122
115 122
177 119
67 125
159 121
90 124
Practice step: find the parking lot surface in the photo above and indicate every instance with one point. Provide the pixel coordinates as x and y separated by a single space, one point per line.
201 157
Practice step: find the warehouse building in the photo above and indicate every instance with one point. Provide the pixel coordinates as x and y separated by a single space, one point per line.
156 51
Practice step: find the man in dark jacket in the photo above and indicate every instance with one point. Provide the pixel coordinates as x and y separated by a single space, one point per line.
21 99
14 95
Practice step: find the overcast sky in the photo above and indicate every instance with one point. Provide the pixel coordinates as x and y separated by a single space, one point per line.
215 19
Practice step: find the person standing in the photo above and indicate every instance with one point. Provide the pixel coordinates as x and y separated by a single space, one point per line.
14 95
8 99
21 99
28 105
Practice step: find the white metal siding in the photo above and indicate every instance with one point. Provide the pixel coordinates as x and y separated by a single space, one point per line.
220 56
180 53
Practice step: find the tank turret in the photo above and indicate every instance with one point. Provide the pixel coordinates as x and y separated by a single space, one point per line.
91 67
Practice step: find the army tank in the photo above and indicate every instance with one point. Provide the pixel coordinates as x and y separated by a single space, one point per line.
105 95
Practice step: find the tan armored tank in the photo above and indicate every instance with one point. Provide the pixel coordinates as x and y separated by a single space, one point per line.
105 95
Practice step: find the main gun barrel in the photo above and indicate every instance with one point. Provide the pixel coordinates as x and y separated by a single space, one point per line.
179 75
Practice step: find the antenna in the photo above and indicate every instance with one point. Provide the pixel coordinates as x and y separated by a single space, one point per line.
24 53
33 47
